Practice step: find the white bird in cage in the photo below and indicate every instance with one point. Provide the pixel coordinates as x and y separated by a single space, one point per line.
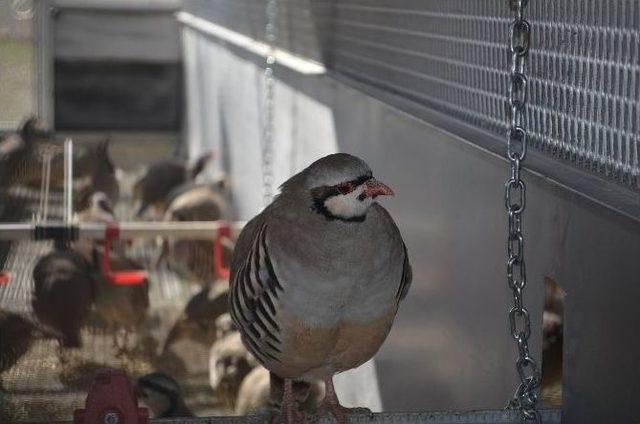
317 277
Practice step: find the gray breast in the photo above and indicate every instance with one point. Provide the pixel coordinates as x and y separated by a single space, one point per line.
334 271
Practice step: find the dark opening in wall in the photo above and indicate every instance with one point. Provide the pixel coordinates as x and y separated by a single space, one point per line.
552 338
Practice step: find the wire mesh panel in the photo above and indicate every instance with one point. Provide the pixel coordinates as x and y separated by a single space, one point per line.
451 56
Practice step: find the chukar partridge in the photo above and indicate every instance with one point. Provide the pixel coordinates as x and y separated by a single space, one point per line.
161 178
317 277
63 292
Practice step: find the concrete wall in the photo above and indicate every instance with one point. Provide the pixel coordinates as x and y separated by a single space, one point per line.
450 348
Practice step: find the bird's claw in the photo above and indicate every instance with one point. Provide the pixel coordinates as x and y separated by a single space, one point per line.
294 417
340 413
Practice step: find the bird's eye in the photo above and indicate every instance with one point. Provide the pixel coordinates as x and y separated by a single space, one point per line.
345 188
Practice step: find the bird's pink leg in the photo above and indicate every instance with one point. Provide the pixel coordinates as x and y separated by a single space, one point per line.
289 413
331 404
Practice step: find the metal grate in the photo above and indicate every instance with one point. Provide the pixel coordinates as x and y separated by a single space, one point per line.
449 55
584 88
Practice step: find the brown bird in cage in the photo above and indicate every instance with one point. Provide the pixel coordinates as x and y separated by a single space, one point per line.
63 294
97 173
317 277
198 321
193 259
229 364
20 155
162 395
160 178
261 392
121 308
18 332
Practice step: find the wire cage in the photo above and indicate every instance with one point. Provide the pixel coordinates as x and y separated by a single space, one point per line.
434 95
135 321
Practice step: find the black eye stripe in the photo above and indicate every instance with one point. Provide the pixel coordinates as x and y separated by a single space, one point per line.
353 183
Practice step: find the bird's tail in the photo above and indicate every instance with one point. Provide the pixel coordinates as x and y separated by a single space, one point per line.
173 336
201 163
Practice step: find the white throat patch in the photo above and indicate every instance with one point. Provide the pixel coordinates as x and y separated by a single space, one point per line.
348 206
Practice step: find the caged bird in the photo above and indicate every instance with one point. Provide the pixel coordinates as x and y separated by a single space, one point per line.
161 178
18 332
193 259
19 154
97 174
121 308
162 395
63 294
317 277
229 364
99 210
261 392
198 320
224 326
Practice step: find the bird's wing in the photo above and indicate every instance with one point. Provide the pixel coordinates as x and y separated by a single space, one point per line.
407 276
254 292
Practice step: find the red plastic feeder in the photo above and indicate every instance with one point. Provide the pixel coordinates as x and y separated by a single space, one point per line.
111 400
122 277
5 277
221 269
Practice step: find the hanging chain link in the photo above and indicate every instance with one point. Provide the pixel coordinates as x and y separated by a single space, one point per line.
271 32
525 397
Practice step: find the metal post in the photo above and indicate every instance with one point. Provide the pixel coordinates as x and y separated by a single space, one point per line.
68 180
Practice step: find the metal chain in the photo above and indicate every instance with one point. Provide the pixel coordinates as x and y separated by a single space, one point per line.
271 32
525 397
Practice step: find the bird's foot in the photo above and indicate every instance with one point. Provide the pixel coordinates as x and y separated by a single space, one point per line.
289 411
289 417
331 406
338 412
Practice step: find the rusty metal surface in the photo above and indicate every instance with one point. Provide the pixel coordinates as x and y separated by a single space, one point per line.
549 416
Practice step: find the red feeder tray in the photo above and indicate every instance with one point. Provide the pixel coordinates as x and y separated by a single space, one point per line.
122 277
222 270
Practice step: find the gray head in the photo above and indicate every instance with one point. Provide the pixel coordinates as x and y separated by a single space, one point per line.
160 393
340 187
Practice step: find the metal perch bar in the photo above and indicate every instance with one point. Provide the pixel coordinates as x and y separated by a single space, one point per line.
126 230
549 416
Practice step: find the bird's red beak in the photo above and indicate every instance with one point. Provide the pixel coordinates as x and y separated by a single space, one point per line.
374 188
